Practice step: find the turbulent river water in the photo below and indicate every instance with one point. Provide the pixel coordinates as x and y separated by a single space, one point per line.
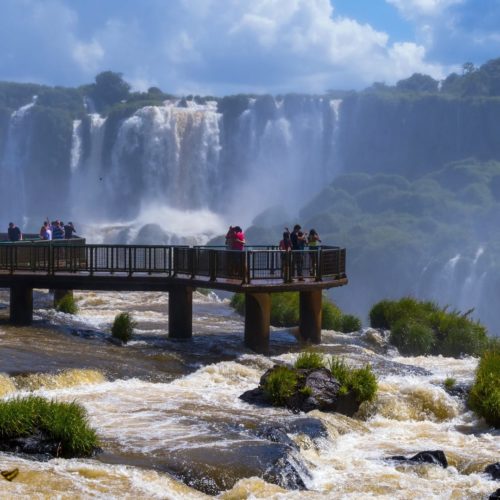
167 410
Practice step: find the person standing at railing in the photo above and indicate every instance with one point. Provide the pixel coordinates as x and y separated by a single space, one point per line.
285 247
313 242
46 231
69 231
299 241
58 230
238 242
14 233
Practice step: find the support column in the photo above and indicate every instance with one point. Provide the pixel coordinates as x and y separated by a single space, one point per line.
180 313
257 321
21 305
59 294
310 316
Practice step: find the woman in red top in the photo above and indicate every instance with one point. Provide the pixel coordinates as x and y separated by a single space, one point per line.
238 241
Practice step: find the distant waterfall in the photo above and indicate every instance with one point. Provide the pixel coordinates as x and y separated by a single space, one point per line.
189 156
13 166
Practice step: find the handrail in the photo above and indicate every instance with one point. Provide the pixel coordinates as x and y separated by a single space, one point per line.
253 264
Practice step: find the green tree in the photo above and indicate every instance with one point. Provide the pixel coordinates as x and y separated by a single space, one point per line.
418 83
109 88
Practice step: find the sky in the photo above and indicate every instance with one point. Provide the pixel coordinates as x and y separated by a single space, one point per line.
221 47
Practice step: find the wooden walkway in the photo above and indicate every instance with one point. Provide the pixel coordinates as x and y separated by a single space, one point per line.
257 271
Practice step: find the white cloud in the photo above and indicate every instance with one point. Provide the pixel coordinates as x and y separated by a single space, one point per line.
412 9
88 55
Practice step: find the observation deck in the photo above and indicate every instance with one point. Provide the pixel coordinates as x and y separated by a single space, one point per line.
257 271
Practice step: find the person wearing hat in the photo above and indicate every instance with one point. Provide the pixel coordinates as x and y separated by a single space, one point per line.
14 232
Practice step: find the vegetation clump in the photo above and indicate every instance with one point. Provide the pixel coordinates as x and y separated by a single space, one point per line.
123 327
360 381
64 424
285 312
309 360
484 397
280 385
422 327
67 304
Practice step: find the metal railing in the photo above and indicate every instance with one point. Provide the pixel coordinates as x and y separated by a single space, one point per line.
254 264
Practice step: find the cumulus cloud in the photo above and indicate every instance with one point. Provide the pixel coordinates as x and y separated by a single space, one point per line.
216 46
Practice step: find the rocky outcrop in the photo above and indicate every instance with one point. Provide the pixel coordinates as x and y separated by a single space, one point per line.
495 495
493 470
436 457
316 389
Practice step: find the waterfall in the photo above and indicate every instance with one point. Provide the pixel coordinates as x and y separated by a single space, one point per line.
13 164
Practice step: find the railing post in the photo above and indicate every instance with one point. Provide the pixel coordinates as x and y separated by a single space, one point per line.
212 265
246 266
319 264
193 260
91 260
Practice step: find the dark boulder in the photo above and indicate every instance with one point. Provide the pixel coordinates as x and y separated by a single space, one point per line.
459 391
275 433
436 457
495 495
493 470
212 470
316 389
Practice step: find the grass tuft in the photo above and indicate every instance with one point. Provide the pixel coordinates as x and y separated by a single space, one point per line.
280 385
67 305
65 423
310 360
123 327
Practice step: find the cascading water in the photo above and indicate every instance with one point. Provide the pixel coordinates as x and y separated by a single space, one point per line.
13 165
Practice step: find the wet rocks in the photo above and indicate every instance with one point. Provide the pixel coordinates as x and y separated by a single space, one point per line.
212 470
493 470
495 495
316 389
460 390
436 457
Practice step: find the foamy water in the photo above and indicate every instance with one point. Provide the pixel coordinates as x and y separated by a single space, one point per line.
188 406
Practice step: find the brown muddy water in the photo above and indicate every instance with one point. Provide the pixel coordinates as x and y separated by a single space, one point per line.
168 412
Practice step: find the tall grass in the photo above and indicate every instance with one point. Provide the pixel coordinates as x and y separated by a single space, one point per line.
67 305
280 385
420 328
64 423
484 397
310 360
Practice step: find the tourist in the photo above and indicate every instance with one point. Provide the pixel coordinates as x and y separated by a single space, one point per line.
57 230
285 246
69 231
46 231
14 233
313 241
230 238
299 241
238 242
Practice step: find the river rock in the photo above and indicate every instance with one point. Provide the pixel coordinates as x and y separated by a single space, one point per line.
459 390
493 470
279 432
317 389
495 495
430 457
212 470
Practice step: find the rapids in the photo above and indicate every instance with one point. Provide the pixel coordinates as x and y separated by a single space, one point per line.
163 408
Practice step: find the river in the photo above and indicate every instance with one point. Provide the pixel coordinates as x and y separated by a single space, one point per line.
166 410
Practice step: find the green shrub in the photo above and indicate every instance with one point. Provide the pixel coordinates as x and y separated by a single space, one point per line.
412 338
350 323
484 397
65 423
361 381
309 360
280 385
238 303
67 304
449 383
419 328
331 317
123 327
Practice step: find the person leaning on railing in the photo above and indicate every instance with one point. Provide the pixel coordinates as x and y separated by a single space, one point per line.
313 242
14 233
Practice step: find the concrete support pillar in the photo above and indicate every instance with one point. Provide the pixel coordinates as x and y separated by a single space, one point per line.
310 316
21 305
257 321
180 313
59 294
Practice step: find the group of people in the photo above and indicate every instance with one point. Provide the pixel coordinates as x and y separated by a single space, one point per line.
299 240
57 230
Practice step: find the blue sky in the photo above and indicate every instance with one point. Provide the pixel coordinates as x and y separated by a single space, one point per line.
229 46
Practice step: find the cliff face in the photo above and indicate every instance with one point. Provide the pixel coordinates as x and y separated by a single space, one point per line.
414 134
